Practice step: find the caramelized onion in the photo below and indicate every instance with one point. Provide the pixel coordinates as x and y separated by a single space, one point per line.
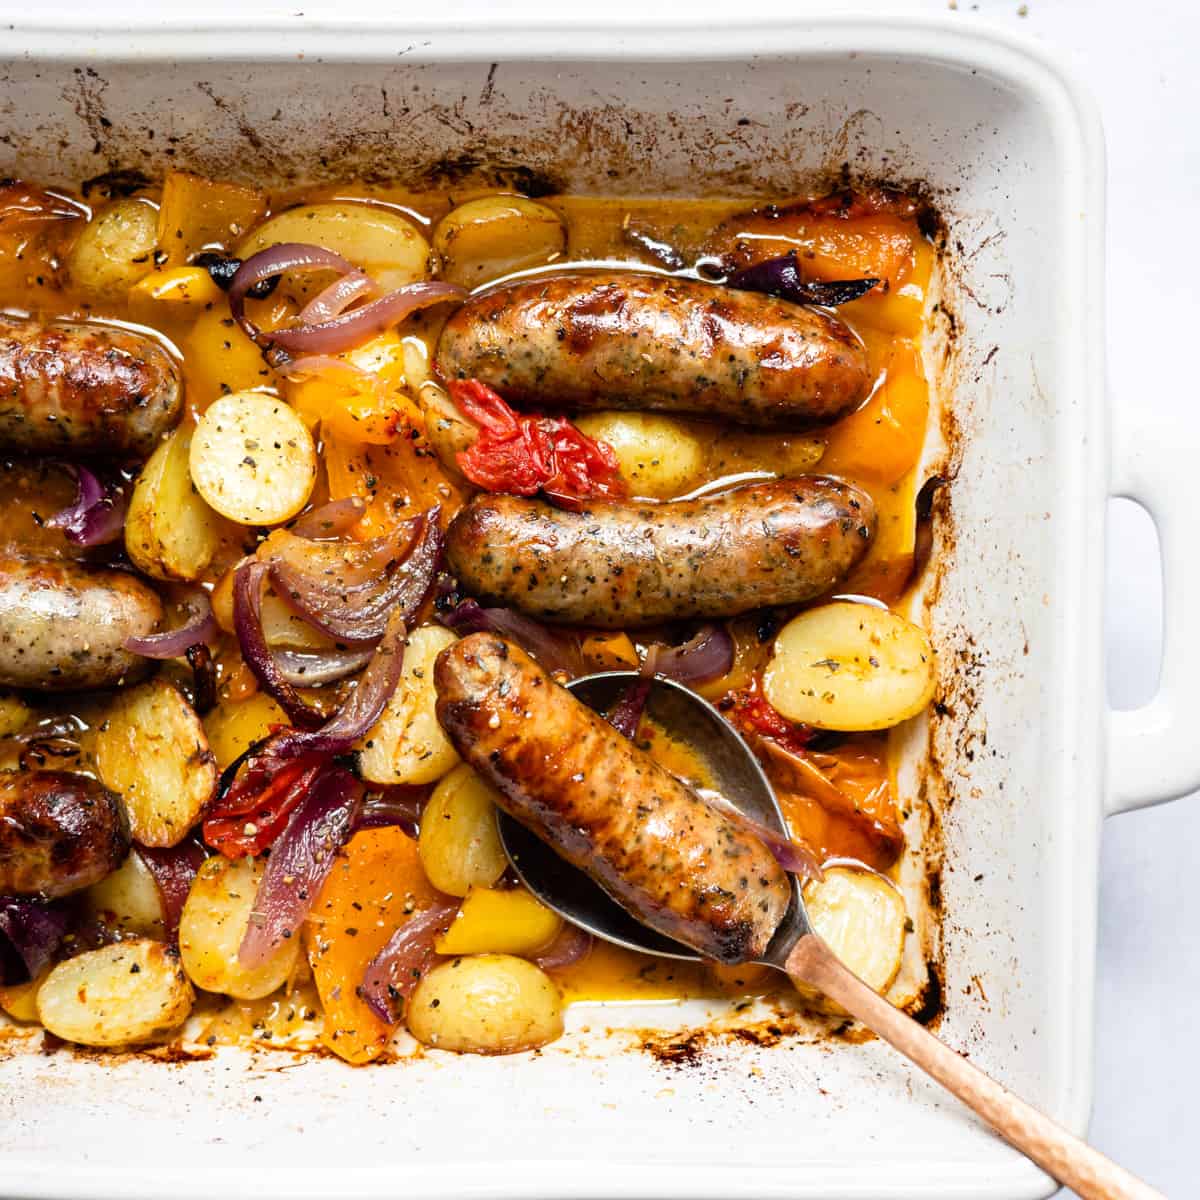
97 514
399 806
626 715
300 861
556 651
30 933
346 600
201 629
781 277
335 333
320 667
393 974
569 947
329 520
174 869
338 297
708 655
792 856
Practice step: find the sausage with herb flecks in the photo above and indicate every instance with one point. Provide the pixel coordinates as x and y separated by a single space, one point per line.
630 340
84 390
619 565
62 625
59 832
675 863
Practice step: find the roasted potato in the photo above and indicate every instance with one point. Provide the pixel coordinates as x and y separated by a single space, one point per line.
384 244
850 666
215 917
492 236
486 1004
170 532
114 249
406 744
660 456
152 749
862 917
129 992
253 459
235 725
128 899
459 843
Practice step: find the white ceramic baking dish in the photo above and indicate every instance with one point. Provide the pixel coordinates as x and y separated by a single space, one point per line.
1017 764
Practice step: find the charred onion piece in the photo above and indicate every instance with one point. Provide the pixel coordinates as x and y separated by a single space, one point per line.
174 869
30 933
781 277
707 655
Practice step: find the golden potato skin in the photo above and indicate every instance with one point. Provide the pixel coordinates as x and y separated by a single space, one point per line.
486 1004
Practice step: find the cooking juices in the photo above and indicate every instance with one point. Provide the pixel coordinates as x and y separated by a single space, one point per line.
386 357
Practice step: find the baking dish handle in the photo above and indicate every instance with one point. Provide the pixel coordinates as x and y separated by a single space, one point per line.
1155 464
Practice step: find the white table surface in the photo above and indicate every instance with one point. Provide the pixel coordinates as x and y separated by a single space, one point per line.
1140 59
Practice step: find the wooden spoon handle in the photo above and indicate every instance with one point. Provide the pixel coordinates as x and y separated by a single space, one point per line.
1069 1160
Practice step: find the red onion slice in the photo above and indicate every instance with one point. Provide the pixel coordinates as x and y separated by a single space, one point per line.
556 651
30 933
329 520
300 861
781 277
396 806
175 643
247 620
338 297
97 514
336 333
706 656
174 869
357 612
395 971
315 670
626 715
568 948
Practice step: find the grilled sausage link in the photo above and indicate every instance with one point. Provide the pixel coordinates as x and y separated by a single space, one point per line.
59 832
62 625
627 340
620 565
84 390
609 809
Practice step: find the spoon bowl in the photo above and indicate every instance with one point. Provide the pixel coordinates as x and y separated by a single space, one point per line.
735 773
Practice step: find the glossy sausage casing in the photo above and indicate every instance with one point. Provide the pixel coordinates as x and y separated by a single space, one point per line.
59 832
618 565
674 862
62 625
628 340
84 390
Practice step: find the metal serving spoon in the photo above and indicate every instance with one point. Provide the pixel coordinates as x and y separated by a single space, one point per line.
796 948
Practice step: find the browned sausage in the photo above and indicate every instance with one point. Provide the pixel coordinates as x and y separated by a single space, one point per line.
62 625
59 832
609 809
627 340
620 565
83 390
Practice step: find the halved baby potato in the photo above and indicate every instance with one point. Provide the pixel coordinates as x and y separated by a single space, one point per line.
486 1004
492 236
862 917
252 459
660 457
407 744
850 667
215 918
128 899
122 994
152 749
170 532
378 240
115 249
459 842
